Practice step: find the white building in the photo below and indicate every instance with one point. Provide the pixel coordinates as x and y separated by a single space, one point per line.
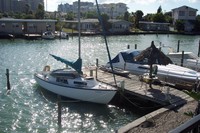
113 10
185 13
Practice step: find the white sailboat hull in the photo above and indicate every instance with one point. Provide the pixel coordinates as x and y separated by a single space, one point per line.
95 95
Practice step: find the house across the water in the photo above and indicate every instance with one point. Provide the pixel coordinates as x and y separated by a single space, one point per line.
18 27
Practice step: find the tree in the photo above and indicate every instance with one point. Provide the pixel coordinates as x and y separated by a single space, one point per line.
179 25
70 16
197 24
91 14
126 16
40 12
105 22
159 17
159 10
137 17
27 9
148 17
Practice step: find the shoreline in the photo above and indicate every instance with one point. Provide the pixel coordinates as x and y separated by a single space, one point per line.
23 36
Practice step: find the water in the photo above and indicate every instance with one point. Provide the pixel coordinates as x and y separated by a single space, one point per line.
29 108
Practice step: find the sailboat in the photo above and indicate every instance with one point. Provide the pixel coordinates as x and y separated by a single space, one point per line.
70 82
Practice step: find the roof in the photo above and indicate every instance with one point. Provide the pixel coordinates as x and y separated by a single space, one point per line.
184 7
26 20
96 21
146 22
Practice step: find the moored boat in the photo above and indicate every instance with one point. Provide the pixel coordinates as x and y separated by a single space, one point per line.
72 83
48 35
171 73
190 60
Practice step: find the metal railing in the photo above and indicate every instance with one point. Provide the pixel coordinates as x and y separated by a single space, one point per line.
191 126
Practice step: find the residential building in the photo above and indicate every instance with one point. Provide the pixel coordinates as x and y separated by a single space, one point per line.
153 26
26 26
187 14
92 25
119 26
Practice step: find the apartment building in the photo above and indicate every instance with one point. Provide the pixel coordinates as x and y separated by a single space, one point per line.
113 10
19 5
185 13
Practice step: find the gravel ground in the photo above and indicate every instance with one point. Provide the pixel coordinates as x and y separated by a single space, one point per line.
166 121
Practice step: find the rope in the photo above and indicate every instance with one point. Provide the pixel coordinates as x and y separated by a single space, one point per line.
134 104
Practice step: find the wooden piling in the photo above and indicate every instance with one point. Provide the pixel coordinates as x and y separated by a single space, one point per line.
59 110
97 64
178 46
182 58
8 79
199 49
135 46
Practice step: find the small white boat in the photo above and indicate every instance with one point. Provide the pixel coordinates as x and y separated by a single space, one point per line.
190 59
62 35
48 35
69 83
172 74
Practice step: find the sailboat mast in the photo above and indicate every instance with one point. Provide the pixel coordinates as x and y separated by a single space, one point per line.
79 30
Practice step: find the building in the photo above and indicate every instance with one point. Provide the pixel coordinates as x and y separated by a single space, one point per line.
65 8
187 14
93 25
113 10
26 26
19 5
120 26
153 26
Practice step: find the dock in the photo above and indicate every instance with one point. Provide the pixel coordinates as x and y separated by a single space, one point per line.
167 96
160 94
32 36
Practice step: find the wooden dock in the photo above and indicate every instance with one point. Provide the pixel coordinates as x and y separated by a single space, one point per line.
161 94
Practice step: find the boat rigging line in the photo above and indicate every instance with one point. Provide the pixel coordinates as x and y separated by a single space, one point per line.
104 35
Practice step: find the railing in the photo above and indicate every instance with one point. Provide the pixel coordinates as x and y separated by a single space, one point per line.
191 126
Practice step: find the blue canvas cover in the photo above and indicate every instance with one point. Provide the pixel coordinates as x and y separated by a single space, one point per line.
77 65
128 56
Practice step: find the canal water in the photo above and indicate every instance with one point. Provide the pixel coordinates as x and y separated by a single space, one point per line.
29 108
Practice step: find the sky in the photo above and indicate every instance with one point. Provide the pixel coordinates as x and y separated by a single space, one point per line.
147 6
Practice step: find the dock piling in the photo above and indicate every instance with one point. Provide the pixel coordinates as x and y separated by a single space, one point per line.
8 79
97 64
182 58
135 46
178 46
199 49
59 110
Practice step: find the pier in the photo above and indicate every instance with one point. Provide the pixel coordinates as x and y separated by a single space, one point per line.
168 97
160 94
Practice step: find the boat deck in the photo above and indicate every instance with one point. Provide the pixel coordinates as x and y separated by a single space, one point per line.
160 94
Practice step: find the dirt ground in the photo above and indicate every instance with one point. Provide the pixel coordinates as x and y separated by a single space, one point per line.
166 121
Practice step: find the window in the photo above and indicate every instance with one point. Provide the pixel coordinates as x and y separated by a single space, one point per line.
192 13
15 25
181 13
3 25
